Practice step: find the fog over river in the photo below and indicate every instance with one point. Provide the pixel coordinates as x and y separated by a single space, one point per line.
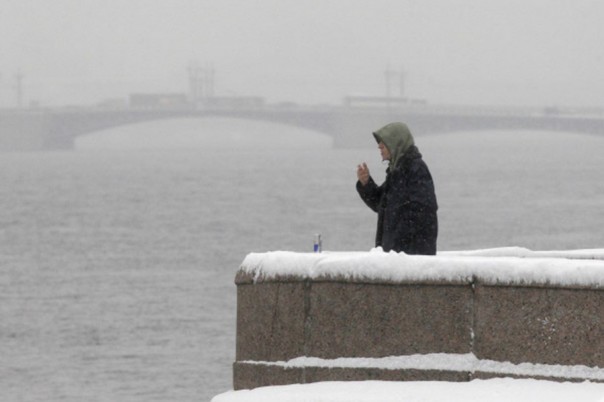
118 258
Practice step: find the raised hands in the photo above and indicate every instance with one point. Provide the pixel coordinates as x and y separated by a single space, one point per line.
363 173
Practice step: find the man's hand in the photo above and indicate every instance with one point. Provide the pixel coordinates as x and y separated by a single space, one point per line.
363 173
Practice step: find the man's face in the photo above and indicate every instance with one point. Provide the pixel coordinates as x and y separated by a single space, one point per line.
384 151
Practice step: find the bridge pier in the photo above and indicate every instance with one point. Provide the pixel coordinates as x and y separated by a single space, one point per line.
24 131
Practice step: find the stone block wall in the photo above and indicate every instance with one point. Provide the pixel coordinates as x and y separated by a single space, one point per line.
294 329
539 324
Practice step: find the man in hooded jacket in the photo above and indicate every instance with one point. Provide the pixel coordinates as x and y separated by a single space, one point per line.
405 203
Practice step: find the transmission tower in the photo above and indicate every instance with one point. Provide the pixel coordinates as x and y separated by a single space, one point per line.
402 78
201 82
19 89
391 76
209 80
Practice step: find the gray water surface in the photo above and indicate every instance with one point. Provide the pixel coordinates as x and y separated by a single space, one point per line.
117 267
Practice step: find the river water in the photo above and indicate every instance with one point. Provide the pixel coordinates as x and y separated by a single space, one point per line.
117 260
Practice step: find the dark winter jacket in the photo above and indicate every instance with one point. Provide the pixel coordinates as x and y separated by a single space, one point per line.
406 202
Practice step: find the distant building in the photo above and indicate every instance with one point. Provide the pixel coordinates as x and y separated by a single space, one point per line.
113 104
380 101
159 101
233 102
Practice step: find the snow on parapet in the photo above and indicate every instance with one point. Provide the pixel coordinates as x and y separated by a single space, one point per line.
450 267
520 252
445 361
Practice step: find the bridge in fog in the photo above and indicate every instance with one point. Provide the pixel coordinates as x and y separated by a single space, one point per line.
349 125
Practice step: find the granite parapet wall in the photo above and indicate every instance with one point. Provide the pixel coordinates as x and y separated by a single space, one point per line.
537 324
494 326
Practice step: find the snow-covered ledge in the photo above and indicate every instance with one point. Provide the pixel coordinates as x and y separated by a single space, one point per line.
306 317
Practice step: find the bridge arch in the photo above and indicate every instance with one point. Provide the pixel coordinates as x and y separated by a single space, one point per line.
208 131
65 127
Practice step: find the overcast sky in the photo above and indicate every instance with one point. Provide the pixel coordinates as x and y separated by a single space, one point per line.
501 52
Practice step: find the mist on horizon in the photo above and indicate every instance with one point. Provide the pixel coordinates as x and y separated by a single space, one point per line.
530 53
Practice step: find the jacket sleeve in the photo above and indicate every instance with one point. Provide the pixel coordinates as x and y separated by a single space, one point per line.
370 193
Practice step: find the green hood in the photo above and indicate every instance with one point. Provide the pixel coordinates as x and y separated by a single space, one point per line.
397 138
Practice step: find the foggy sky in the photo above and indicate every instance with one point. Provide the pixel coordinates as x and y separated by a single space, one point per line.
500 52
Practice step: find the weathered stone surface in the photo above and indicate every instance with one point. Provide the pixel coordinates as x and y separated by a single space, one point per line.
270 321
482 375
372 320
248 376
316 374
540 325
282 318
